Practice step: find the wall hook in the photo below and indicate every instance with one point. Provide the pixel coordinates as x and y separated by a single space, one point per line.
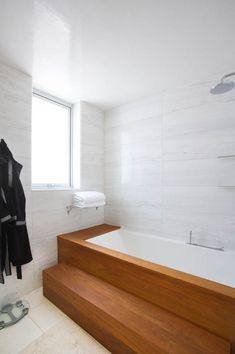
69 208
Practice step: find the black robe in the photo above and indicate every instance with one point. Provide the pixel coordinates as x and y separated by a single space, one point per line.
14 241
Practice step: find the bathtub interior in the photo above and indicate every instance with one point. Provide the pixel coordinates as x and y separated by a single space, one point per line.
206 263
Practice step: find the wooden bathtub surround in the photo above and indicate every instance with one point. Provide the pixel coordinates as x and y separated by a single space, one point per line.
134 306
82 235
140 325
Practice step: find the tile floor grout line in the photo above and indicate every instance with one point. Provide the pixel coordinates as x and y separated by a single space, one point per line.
36 324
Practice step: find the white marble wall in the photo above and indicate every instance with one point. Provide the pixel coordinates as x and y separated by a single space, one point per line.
92 148
15 129
46 213
161 167
133 167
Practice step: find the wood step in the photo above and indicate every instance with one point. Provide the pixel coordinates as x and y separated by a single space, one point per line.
122 322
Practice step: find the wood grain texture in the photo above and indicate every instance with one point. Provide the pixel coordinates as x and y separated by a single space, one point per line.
141 326
205 303
90 232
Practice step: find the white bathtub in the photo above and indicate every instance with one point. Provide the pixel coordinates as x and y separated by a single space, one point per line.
205 263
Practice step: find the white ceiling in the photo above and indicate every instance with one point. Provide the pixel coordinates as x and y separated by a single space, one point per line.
109 52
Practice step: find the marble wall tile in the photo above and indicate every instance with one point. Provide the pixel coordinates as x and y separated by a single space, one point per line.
208 117
92 173
94 187
133 166
142 194
44 251
209 229
91 217
138 173
204 144
149 150
135 217
132 112
93 156
192 96
150 127
18 140
15 98
169 157
91 135
198 172
92 146
207 199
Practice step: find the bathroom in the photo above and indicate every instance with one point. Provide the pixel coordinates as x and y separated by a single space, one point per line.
148 131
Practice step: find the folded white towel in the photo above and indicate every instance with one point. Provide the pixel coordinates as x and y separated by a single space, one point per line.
88 199
89 205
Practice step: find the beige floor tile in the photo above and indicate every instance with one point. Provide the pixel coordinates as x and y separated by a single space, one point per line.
35 298
47 330
66 337
46 315
14 339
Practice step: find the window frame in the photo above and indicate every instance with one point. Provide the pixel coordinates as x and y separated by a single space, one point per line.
57 101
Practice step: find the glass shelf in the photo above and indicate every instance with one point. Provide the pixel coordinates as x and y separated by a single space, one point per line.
226 156
225 186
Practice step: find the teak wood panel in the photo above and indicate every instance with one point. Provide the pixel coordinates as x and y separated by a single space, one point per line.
90 232
142 326
205 303
119 338
83 314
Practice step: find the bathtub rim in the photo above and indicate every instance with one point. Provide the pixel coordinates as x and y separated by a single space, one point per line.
168 240
194 280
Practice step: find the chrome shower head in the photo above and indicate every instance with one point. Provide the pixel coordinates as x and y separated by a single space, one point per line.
223 86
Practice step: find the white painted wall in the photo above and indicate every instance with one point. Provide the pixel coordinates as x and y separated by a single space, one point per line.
161 167
46 214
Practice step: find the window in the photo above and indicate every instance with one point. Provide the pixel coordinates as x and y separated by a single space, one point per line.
51 143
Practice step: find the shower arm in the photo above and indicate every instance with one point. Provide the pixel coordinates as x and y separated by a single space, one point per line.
226 76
